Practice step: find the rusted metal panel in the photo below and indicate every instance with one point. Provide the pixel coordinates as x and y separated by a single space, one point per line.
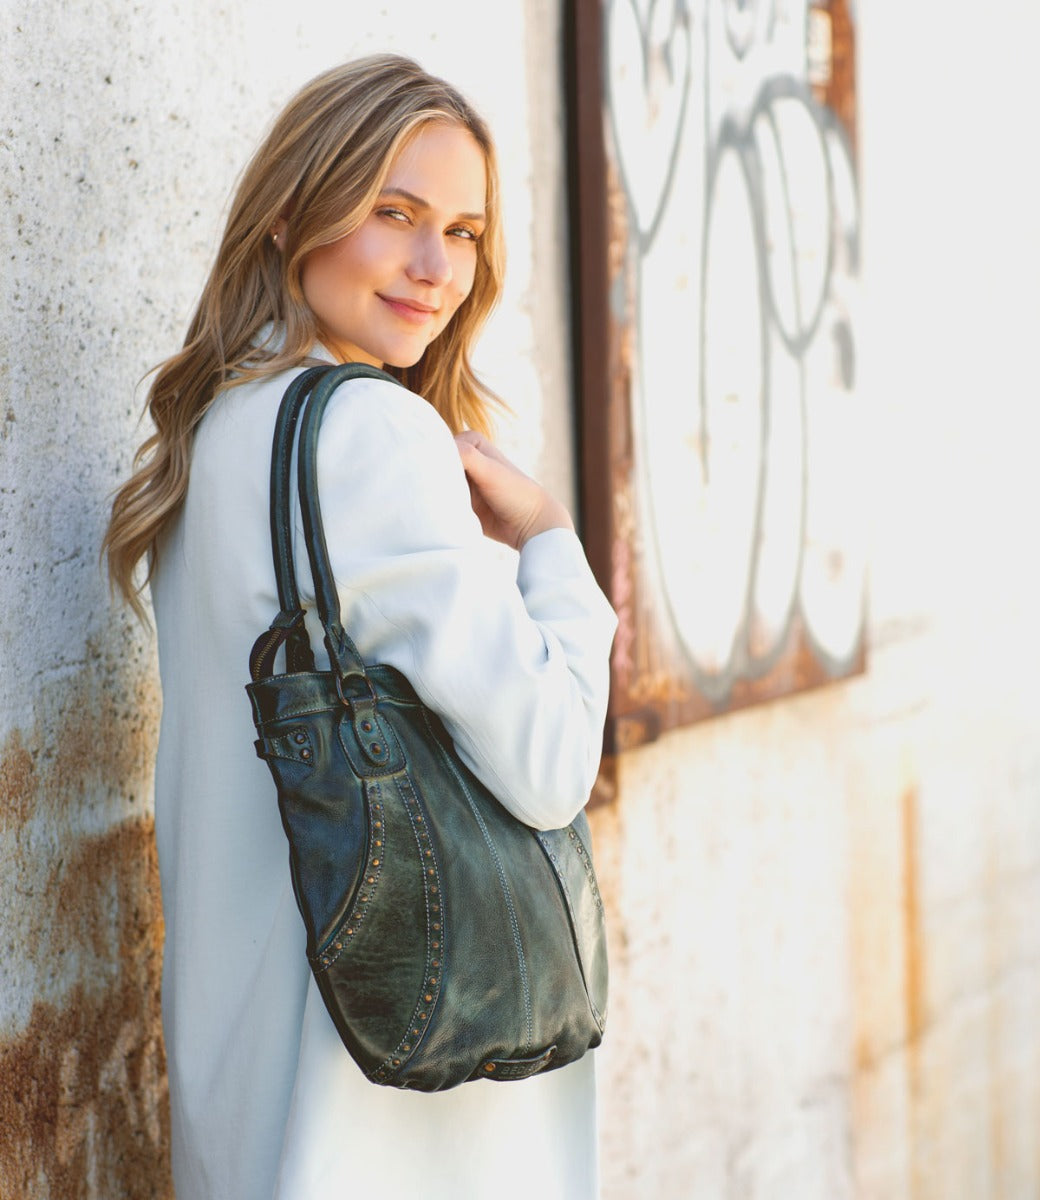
716 243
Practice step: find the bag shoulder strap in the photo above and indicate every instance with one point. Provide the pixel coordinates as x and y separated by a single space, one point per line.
287 627
343 654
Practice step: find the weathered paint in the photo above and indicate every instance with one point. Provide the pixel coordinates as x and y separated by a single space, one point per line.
123 129
83 1105
718 235
83 1108
724 1068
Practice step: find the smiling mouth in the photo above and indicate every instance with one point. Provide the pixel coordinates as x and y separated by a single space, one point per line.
409 310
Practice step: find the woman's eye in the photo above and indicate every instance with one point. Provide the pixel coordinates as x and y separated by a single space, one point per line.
395 214
464 232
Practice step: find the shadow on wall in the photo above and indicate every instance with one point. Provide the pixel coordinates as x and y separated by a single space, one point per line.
83 1106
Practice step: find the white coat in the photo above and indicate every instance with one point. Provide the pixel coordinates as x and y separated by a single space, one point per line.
266 1104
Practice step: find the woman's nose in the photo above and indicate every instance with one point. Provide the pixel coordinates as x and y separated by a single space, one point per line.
430 263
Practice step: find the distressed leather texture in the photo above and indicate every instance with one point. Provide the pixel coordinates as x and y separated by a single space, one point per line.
449 941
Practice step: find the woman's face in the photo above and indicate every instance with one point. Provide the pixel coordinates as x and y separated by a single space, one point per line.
384 292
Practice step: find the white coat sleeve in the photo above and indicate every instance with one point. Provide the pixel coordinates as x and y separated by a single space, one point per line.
513 656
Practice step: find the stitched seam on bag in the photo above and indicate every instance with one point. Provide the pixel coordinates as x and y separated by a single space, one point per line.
564 887
507 1068
395 756
355 916
387 1067
298 712
506 894
585 856
292 748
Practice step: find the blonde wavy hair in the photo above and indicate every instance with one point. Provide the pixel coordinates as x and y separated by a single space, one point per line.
321 169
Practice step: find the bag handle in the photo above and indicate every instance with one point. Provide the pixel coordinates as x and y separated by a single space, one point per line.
343 654
287 627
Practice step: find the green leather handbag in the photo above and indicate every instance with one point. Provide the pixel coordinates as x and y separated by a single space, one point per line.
449 940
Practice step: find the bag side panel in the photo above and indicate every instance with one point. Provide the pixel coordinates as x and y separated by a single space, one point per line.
512 984
569 856
375 970
323 813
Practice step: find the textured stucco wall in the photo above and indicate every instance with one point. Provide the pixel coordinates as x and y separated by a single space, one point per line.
826 953
123 127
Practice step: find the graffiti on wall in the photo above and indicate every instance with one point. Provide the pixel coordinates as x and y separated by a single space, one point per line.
724 455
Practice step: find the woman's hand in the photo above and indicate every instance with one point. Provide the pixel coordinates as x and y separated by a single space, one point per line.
511 507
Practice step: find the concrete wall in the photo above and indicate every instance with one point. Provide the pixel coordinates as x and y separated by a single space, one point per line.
826 956
123 129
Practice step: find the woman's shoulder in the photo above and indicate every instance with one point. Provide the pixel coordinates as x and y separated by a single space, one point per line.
369 407
384 405
382 427
386 448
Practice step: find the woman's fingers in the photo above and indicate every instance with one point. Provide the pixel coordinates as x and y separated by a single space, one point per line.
477 441
511 506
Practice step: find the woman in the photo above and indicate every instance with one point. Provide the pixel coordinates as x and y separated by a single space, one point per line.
366 228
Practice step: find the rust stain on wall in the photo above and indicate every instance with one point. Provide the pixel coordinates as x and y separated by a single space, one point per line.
913 986
889 972
913 937
16 782
83 1103
93 734
83 1106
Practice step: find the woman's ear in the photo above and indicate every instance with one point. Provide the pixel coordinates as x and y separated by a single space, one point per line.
278 232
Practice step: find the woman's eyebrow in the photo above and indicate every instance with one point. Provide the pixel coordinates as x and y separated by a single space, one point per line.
419 202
